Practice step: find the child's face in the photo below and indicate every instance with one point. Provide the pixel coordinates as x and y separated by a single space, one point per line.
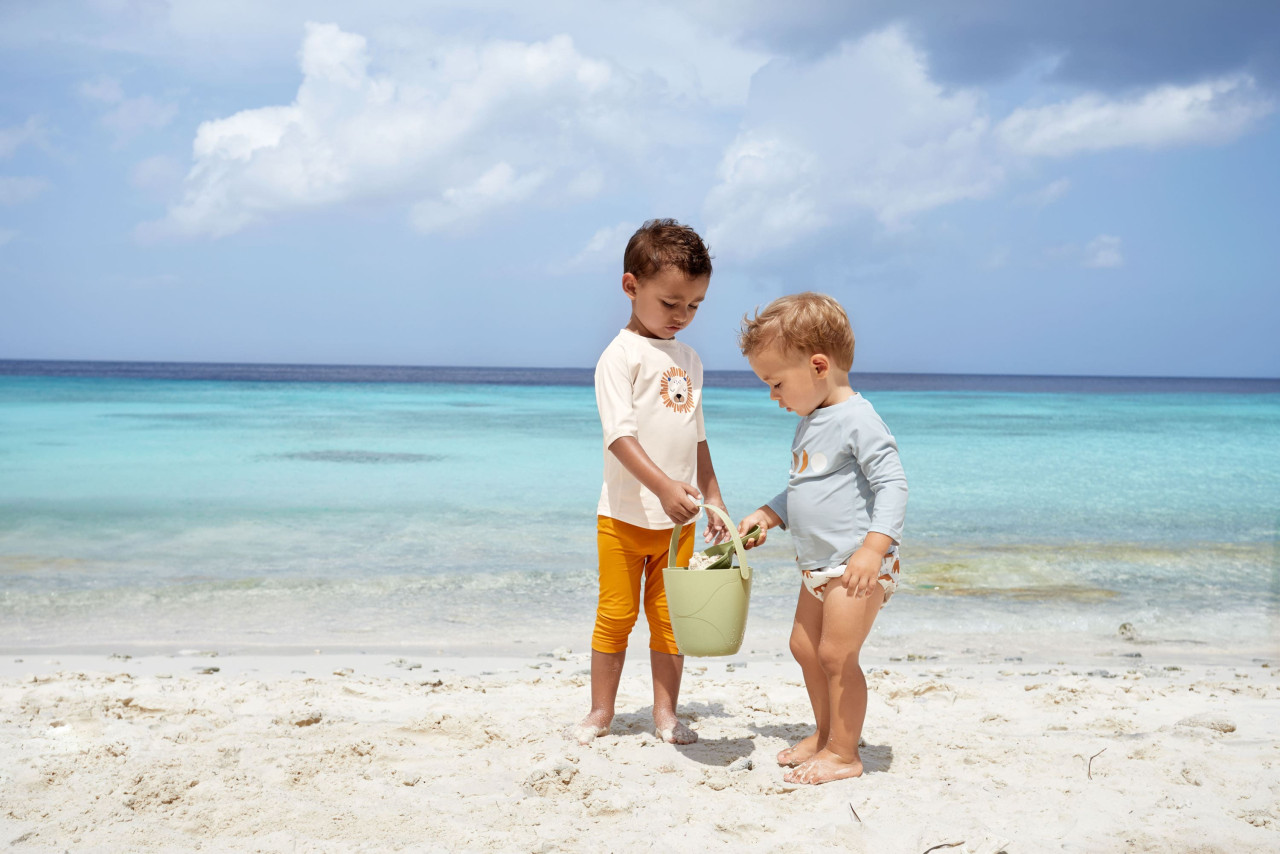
799 383
664 303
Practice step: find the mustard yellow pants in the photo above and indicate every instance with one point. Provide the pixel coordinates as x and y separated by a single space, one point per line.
628 555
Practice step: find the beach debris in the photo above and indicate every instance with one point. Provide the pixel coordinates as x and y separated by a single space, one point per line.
205 671
549 778
343 671
1208 721
561 653
742 763
406 664
612 803
309 720
715 782
944 845
1127 632
855 814
1089 767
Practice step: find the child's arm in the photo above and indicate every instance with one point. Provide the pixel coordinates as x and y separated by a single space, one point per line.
679 500
716 531
863 567
876 451
766 518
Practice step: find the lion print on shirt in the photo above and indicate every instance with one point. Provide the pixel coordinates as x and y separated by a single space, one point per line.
677 391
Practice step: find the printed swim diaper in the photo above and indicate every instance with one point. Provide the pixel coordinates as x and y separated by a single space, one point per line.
816 580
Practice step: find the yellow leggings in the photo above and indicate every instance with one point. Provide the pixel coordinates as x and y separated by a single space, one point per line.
628 553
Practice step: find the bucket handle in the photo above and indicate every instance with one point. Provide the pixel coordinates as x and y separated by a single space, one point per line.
733 532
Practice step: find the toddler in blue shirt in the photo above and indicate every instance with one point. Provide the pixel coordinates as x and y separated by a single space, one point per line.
844 505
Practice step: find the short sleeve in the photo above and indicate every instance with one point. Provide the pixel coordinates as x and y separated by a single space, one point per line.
699 378
615 395
697 414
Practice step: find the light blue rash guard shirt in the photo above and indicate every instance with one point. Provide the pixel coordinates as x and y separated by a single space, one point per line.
846 481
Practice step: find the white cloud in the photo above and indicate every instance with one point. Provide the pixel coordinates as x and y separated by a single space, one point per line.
30 132
606 245
468 131
134 116
128 117
7 235
498 188
861 132
160 174
1048 194
16 191
866 133
1103 251
104 89
998 259
1212 112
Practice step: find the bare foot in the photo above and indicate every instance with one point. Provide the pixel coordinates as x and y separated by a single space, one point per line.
801 751
674 732
824 767
592 727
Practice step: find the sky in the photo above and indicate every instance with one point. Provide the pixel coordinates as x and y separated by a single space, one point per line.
1085 188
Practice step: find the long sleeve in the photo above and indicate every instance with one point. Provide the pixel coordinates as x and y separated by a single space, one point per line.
876 451
778 504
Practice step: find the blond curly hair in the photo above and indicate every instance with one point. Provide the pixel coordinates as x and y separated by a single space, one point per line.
808 323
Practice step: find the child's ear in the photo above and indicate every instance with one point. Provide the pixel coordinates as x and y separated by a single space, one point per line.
820 364
630 284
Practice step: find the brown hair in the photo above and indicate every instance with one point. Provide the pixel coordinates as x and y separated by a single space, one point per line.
807 323
666 243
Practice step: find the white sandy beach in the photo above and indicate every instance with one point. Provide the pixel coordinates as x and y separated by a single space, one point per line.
1142 748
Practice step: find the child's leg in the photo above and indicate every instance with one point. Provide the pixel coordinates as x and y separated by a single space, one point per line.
664 656
806 631
846 622
667 672
621 565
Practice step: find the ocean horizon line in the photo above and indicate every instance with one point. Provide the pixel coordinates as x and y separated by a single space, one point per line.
583 376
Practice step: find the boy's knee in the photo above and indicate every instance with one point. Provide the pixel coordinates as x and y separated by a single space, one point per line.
835 658
801 648
611 633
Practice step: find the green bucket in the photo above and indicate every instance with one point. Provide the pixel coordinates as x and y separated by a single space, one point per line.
708 607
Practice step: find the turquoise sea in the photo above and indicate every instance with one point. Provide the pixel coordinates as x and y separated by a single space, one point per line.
162 508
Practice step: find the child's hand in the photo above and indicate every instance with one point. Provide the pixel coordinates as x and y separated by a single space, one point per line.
680 501
861 572
761 518
716 531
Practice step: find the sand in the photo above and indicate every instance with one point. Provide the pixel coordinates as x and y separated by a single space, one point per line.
1161 749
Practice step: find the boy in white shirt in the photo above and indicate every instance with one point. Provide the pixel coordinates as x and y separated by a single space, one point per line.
649 393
